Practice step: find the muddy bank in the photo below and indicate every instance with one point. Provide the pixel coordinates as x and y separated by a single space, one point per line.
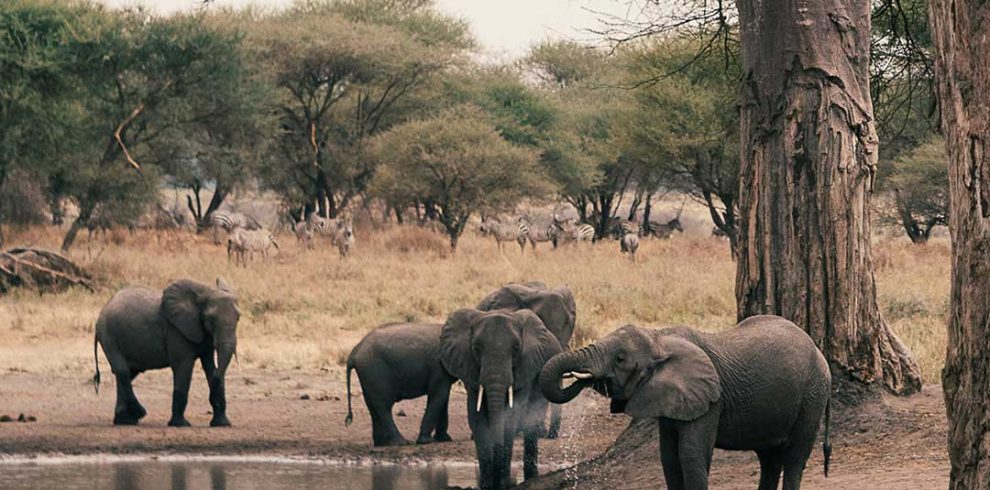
890 443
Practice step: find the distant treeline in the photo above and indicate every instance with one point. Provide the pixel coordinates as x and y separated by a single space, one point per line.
336 104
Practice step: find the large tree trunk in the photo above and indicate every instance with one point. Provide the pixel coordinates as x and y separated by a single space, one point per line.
961 31
808 162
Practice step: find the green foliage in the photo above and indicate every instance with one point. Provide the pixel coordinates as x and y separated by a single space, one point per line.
683 132
559 64
344 72
919 181
457 162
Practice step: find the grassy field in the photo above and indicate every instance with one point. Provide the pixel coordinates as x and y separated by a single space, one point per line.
305 309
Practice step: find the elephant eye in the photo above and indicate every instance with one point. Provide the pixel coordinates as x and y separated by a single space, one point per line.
620 358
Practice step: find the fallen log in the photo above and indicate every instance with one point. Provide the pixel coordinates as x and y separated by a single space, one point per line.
41 270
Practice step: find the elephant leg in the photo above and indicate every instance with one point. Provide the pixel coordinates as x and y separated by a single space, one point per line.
792 475
670 459
503 454
124 412
181 378
484 447
441 435
436 407
383 429
218 399
531 454
554 431
770 469
696 443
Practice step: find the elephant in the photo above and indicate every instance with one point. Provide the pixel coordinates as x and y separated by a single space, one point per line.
555 307
399 361
498 356
142 329
761 386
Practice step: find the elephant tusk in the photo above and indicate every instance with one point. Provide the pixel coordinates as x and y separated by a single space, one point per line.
510 396
216 358
568 375
578 375
481 395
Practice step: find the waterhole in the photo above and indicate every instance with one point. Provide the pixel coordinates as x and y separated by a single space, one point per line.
158 474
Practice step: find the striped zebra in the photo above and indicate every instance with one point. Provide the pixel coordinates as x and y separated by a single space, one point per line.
242 244
570 231
540 232
664 231
583 232
342 235
505 232
340 232
621 227
629 244
228 221
307 231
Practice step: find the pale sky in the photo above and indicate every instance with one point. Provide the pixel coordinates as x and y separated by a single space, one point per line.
505 28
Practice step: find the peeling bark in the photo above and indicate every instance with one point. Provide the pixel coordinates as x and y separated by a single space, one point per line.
808 161
961 31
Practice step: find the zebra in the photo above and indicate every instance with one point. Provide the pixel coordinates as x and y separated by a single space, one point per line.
664 231
340 230
342 235
570 231
243 243
620 227
314 225
540 232
505 232
229 221
629 244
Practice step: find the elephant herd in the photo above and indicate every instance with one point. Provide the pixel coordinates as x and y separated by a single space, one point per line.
761 386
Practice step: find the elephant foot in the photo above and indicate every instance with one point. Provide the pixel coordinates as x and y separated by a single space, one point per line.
442 438
552 434
220 421
179 422
392 442
137 411
424 440
125 419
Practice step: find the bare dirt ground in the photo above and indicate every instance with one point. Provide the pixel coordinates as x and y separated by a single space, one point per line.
888 443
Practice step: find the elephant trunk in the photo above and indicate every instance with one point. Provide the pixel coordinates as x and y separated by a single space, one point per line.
224 355
584 364
496 399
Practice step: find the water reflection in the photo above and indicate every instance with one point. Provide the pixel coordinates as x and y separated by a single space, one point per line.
212 475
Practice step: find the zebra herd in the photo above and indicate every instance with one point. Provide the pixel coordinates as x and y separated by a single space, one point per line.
247 237
557 231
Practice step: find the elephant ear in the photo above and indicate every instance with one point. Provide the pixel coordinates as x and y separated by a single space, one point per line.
182 304
455 345
224 286
681 384
538 345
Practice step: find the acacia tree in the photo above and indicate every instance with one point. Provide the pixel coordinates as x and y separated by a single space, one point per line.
961 29
457 162
43 44
142 70
683 129
344 71
919 181
807 169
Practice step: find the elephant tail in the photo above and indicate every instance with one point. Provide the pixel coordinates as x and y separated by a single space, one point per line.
826 447
350 414
96 361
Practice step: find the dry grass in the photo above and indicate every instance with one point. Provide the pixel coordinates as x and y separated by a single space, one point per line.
305 309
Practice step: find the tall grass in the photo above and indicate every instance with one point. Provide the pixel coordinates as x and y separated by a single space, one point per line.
305 309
